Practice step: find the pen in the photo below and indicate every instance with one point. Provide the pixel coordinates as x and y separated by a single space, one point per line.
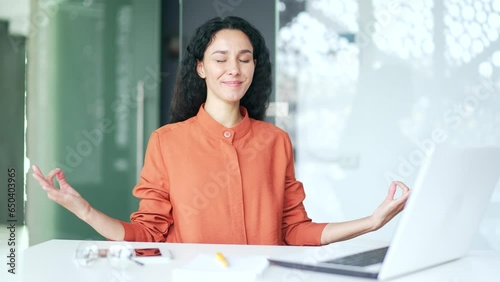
220 257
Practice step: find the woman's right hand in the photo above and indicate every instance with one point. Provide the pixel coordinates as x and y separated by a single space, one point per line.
65 195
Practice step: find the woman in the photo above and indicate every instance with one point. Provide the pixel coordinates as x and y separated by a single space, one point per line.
218 173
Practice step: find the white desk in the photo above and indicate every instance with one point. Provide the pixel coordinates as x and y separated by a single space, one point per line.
53 261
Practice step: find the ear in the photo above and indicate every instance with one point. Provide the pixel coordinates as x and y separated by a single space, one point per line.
200 69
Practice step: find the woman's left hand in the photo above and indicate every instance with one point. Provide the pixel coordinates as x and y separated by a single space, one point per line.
390 207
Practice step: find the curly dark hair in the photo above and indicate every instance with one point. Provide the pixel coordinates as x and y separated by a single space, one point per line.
190 89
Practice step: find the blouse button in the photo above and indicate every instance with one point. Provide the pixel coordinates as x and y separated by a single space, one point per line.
227 134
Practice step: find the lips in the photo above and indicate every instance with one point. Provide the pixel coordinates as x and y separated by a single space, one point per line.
233 83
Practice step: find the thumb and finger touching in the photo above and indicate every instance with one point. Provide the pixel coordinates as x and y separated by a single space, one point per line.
391 206
47 183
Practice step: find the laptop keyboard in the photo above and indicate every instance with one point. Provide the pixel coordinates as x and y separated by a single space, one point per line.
362 259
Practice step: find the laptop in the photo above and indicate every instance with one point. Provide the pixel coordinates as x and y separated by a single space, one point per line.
439 222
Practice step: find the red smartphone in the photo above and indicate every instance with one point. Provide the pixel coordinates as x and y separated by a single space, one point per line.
146 255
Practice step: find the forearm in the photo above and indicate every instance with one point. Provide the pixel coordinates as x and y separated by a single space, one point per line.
334 232
108 227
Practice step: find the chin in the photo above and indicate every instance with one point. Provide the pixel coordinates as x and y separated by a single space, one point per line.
234 98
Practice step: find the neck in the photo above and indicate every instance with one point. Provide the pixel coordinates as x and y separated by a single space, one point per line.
228 115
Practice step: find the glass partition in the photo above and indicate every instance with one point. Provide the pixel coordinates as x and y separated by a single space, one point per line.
93 100
373 85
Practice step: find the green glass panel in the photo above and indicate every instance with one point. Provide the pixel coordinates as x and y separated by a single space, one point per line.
12 89
99 52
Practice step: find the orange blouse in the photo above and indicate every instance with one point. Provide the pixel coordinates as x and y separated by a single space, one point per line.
205 183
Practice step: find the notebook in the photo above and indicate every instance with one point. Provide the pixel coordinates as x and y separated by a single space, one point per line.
440 220
205 267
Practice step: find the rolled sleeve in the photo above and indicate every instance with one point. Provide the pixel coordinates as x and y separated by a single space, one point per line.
298 228
150 223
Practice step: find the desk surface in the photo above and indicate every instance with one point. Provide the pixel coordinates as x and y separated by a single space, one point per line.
53 261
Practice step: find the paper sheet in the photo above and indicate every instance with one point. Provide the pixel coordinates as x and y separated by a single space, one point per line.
205 267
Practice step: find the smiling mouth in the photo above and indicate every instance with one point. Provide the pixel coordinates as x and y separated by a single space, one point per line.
232 83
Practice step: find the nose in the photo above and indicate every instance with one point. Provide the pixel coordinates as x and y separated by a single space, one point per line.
233 67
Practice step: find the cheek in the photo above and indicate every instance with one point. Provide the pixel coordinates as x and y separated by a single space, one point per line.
214 70
250 71
219 72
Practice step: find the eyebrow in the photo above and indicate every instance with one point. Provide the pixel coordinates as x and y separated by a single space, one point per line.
224 52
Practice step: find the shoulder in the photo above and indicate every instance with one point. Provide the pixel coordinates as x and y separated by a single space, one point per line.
263 127
171 130
268 133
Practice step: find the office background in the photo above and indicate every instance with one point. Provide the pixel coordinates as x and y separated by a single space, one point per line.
364 88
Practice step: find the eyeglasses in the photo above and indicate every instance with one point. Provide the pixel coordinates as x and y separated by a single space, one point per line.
119 255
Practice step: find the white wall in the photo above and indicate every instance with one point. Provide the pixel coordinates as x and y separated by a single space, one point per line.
17 13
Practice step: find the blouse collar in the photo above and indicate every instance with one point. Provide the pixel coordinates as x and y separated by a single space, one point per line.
219 131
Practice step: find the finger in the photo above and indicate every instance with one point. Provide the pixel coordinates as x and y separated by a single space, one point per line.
64 186
392 191
403 186
41 178
51 194
401 201
42 181
61 178
51 175
396 208
37 170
